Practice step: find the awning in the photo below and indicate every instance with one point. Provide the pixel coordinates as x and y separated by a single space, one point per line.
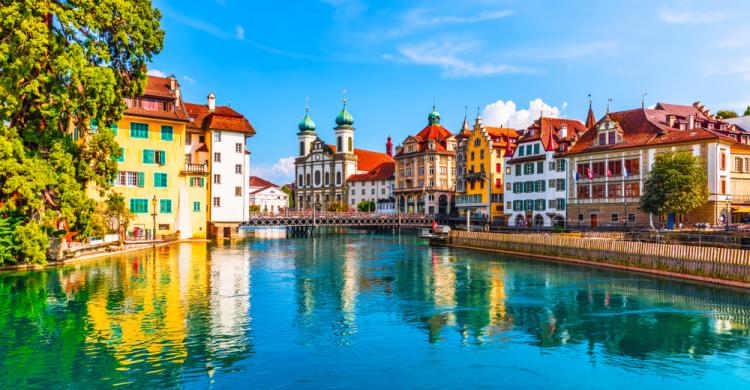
741 210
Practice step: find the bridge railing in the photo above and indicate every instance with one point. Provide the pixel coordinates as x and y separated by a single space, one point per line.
327 214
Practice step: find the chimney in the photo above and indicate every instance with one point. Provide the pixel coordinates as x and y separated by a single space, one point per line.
670 120
691 122
211 102
389 147
172 83
564 131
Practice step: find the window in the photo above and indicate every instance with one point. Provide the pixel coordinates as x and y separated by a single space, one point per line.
317 178
552 183
528 150
238 147
633 167
738 164
498 167
238 169
615 217
602 138
217 201
481 154
217 157
339 144
201 139
148 156
122 156
188 139
614 190
612 138
472 156
631 217
160 157
197 207
498 182
139 206
160 180
197 182
520 151
632 189
165 206
536 148
561 204
723 182
561 165
338 178
561 184
372 191
597 191
138 130
351 144
217 136
217 178
508 205
301 148
327 178
614 168
540 167
722 160
237 191
583 192
300 181
551 166
580 217
597 168
167 133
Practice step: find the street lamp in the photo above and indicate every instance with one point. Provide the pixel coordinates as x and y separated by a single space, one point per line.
729 211
153 204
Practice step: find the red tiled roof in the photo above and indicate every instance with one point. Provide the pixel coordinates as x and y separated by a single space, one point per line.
368 160
650 127
222 118
255 181
548 132
159 88
433 132
383 171
501 131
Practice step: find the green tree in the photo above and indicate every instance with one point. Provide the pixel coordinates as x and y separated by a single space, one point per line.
726 114
117 214
65 65
254 209
677 183
747 111
366 205
288 190
338 207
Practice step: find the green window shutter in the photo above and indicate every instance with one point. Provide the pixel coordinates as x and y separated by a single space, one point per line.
520 151
161 157
138 130
562 185
160 180
167 133
540 167
165 206
561 204
197 206
518 170
190 182
203 182
141 179
122 155
536 148
543 185
531 168
148 156
528 149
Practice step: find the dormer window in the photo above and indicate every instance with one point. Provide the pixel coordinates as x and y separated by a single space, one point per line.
608 134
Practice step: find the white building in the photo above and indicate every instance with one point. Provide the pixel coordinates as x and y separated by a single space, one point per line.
535 175
375 185
226 133
323 170
267 196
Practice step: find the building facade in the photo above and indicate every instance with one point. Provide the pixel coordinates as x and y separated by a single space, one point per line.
218 138
485 151
374 186
611 160
269 197
536 173
322 170
425 170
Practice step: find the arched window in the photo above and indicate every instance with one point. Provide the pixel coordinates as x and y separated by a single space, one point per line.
301 148
351 144
338 178
307 179
301 184
317 178
328 178
339 144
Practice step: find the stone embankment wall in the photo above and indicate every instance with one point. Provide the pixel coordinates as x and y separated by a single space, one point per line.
710 264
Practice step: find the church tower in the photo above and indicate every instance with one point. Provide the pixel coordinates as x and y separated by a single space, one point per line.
306 134
344 132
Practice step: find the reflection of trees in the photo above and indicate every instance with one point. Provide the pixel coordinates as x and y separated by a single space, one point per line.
142 318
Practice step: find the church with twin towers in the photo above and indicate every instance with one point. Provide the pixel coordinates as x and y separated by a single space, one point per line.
339 176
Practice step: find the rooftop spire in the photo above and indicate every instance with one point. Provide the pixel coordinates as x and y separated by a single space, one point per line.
643 99
590 118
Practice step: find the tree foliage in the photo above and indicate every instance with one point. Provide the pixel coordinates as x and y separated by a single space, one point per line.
338 207
288 190
747 111
63 64
366 205
677 183
726 114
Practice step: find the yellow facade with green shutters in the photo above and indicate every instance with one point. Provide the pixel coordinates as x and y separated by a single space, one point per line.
152 166
485 166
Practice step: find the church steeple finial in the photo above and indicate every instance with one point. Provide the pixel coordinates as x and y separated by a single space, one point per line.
590 118
643 99
609 101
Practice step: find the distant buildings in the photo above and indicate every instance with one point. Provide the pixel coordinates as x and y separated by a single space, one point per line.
425 170
323 171
268 197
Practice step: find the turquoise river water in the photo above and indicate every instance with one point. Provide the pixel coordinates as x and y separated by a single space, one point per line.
363 311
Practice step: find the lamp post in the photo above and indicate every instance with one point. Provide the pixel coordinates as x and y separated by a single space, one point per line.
729 211
153 215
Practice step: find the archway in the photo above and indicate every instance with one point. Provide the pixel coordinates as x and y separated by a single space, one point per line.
519 220
443 204
558 221
538 220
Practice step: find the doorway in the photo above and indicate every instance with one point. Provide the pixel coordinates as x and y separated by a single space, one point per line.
594 221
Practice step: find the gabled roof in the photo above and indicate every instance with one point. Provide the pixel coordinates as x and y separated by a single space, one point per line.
383 171
547 130
434 132
650 127
255 181
222 118
159 88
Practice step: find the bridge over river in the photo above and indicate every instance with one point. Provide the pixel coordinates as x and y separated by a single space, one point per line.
346 219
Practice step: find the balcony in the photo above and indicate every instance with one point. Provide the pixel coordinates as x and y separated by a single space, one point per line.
195 169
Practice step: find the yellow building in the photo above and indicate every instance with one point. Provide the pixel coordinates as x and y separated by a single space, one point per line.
160 188
486 148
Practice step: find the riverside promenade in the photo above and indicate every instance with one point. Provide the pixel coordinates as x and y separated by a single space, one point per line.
724 266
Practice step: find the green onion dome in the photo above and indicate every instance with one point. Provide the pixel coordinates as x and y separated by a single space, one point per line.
434 117
344 119
306 124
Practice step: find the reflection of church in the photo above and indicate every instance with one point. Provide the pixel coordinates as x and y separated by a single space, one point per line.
322 170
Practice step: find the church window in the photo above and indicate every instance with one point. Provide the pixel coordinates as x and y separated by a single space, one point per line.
351 144
339 144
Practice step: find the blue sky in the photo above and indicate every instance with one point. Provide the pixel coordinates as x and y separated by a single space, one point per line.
509 58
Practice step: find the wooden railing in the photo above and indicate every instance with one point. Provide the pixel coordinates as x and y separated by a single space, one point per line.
712 262
195 168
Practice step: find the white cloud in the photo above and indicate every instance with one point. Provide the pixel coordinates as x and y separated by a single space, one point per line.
156 72
689 17
505 113
188 79
417 19
239 33
281 172
446 56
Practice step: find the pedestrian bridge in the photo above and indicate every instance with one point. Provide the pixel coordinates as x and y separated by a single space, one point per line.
346 219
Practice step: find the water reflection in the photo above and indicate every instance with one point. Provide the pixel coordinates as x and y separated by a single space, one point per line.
196 314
